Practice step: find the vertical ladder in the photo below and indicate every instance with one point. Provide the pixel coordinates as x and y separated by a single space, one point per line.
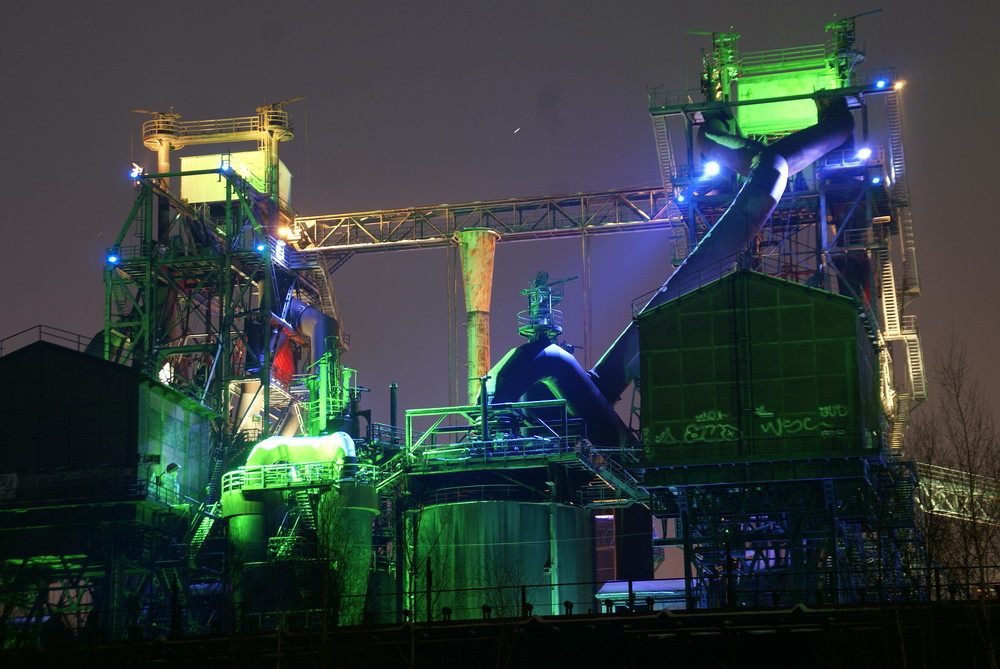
901 195
679 235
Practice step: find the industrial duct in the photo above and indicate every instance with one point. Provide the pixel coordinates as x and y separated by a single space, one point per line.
549 364
768 169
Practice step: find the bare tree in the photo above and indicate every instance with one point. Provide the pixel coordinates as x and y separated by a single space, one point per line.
958 431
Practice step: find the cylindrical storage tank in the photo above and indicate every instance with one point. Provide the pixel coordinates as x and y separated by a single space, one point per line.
247 538
493 553
344 528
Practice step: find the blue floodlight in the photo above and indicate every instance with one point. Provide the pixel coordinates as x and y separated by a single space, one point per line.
136 171
881 83
712 168
864 153
680 197
225 166
261 246
113 257
877 179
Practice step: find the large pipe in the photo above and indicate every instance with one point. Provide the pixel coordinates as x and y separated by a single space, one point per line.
304 318
313 323
541 362
337 447
476 249
769 168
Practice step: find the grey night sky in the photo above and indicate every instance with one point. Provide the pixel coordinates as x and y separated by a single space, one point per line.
416 103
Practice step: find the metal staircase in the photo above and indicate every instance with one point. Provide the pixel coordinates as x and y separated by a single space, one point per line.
890 304
901 196
914 358
679 236
613 485
898 429
322 276
897 327
287 543
306 509
202 528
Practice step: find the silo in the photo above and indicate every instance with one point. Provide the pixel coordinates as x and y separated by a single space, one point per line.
500 554
344 533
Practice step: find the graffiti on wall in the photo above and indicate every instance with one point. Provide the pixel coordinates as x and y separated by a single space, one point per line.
715 426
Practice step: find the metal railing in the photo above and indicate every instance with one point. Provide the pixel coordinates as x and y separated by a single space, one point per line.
282 476
64 338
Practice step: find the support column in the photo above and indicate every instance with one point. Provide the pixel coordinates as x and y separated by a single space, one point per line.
476 249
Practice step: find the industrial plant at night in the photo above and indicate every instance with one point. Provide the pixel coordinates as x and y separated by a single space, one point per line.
206 466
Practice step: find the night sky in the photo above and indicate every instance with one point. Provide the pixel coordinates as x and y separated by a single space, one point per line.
417 103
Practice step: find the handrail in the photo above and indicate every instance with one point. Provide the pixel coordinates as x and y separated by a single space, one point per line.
773 60
282 476
53 335
170 126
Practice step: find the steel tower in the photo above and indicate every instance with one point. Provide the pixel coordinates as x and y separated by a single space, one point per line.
198 291
758 514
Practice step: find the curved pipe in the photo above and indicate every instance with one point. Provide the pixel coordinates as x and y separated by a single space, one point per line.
541 362
337 447
769 168
709 260
313 323
719 139
303 318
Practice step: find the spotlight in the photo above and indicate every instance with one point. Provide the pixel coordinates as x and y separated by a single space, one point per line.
876 180
136 171
881 83
113 257
864 153
261 246
680 197
711 168
899 85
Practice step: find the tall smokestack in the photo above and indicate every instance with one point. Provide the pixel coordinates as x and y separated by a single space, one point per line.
476 248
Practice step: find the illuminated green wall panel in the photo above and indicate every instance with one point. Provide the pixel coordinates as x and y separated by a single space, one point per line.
172 430
755 368
777 117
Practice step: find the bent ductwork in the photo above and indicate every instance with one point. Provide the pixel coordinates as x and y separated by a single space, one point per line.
315 324
541 362
303 318
769 168
337 447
